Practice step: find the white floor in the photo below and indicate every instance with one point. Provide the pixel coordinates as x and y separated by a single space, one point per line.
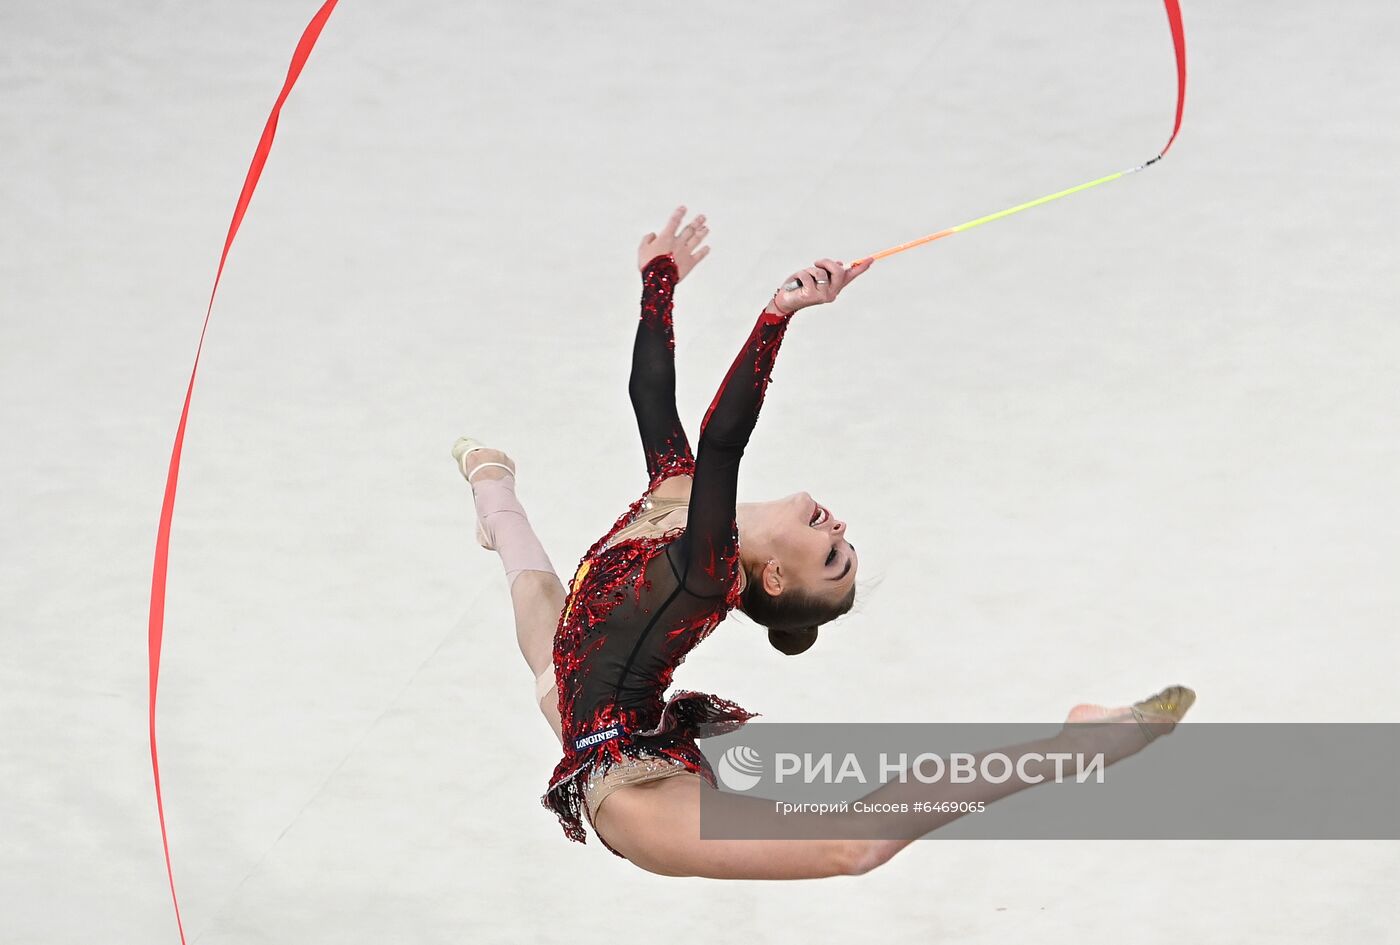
1147 435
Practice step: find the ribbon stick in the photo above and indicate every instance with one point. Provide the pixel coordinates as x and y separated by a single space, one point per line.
1179 43
156 628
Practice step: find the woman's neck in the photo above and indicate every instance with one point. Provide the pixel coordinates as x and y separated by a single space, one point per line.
750 552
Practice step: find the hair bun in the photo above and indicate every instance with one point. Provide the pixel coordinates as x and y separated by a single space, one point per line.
793 642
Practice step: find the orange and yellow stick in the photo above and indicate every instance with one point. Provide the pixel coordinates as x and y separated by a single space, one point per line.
1179 42
1001 213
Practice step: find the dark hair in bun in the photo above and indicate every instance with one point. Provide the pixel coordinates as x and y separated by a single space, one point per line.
793 642
792 617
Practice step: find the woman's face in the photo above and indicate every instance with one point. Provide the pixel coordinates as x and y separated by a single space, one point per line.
807 543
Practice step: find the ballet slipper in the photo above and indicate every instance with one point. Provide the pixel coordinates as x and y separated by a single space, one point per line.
1154 716
463 448
1158 715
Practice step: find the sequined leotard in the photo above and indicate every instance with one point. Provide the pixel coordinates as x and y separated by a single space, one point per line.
637 606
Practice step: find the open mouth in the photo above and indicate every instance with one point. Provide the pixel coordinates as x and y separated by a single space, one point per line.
819 515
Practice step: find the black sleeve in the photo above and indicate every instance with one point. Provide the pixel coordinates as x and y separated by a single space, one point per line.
711 539
652 385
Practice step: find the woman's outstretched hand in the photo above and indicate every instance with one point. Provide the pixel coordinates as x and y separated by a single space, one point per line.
682 242
816 285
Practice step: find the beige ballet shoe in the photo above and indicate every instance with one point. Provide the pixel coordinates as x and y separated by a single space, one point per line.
463 448
1158 715
1155 716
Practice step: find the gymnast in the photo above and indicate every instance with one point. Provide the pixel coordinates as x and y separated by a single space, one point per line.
667 572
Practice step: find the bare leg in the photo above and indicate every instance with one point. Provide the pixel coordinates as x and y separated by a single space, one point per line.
536 593
538 599
657 825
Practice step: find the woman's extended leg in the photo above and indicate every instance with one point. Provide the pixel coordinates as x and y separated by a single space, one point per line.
657 825
536 593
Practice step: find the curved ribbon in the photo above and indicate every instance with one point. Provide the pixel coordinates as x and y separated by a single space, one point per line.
1179 43
300 55
156 627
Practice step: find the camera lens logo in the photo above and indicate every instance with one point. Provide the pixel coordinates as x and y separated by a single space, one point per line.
740 768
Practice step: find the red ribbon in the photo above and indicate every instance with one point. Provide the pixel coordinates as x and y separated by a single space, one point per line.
1178 41
250 183
167 508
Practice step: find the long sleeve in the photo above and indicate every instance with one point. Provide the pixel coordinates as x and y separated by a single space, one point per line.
711 536
652 386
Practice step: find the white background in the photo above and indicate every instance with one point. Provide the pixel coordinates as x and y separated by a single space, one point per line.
1146 435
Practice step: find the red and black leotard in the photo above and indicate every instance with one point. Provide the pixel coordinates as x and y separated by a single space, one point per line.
638 607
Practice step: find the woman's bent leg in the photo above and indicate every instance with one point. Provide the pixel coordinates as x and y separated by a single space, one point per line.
538 599
536 594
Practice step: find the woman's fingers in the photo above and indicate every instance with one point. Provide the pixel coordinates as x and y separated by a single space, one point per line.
674 221
695 231
790 295
843 274
691 236
818 283
682 242
803 280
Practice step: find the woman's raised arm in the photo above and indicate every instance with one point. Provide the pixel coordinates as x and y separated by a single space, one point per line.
664 260
710 537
